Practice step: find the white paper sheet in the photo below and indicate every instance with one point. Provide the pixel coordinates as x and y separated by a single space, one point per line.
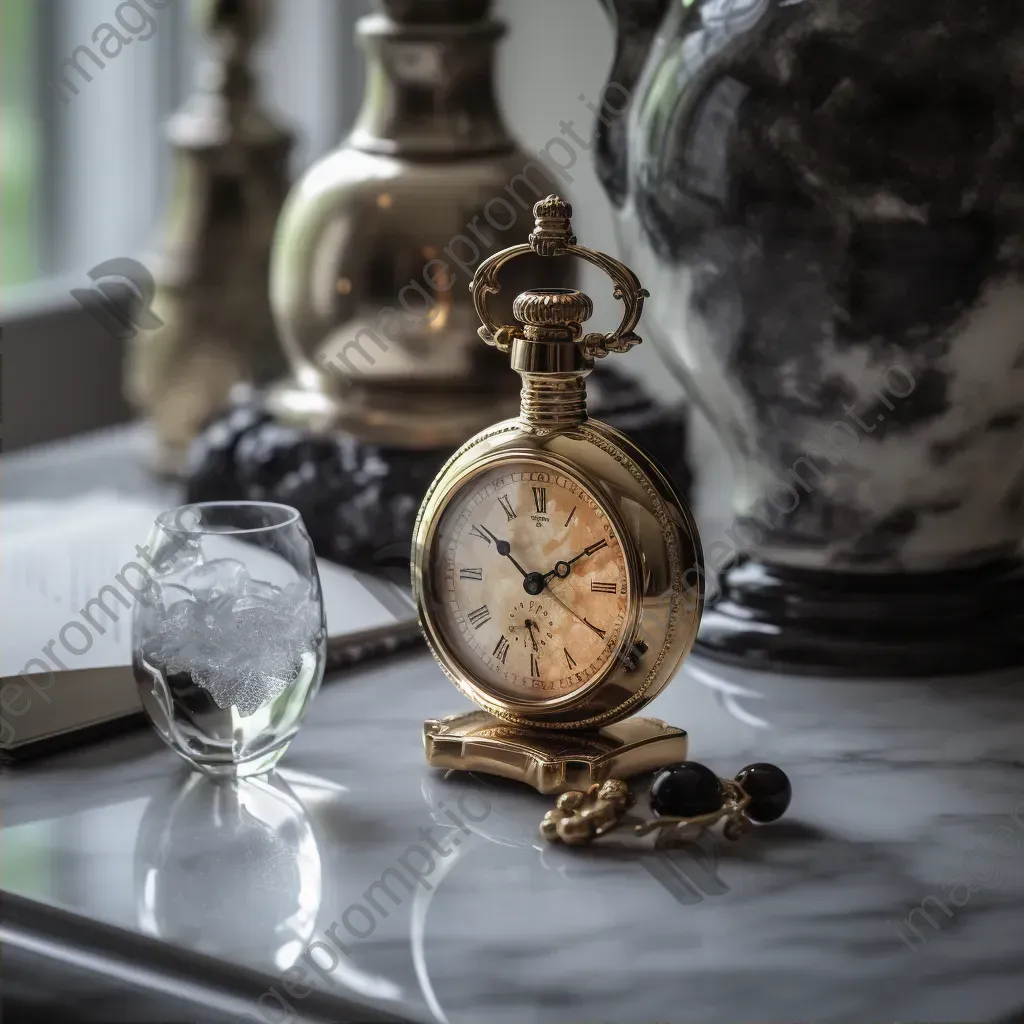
57 556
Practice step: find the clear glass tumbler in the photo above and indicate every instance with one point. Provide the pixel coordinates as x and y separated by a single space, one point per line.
229 640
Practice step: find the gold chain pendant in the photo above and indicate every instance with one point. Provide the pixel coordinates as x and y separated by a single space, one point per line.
686 798
557 573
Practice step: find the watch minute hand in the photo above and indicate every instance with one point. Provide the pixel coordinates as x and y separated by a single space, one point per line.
596 546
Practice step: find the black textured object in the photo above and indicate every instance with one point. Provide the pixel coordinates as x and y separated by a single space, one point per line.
435 12
359 501
212 469
769 789
686 790
866 625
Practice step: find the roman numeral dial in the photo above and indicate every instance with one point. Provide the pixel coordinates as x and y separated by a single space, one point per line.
507 526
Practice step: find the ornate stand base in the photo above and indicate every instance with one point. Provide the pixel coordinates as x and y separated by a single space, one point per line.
948 623
358 500
552 762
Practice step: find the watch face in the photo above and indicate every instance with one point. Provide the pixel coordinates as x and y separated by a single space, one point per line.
532 584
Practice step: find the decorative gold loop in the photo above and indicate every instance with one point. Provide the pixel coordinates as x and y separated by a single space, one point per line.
627 290
485 284
552 236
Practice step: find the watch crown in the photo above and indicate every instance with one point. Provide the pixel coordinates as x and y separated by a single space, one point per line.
553 307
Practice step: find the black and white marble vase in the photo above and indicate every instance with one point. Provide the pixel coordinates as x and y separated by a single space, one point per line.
826 200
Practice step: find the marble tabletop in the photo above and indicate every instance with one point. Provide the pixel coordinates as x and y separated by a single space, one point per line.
892 890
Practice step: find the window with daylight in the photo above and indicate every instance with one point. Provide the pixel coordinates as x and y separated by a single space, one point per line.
20 141
86 88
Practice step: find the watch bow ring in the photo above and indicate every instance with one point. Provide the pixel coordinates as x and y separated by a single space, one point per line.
553 236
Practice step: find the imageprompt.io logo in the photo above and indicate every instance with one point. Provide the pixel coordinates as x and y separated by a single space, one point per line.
120 298
689 873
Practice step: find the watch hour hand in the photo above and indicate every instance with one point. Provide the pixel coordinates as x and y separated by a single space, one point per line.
503 546
522 571
505 550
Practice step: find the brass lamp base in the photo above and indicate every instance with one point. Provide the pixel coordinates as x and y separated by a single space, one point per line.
422 418
552 762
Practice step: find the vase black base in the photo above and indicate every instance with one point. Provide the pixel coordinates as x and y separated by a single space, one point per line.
358 500
848 624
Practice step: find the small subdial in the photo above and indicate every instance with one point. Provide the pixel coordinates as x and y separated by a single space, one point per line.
531 625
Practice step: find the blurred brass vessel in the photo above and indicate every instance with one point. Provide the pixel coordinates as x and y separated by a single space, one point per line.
230 181
378 242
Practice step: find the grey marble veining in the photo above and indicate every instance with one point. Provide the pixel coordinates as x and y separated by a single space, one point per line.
895 784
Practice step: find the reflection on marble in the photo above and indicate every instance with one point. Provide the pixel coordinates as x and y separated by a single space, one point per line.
207 849
895 784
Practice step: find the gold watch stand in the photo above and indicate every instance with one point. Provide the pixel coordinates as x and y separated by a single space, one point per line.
552 762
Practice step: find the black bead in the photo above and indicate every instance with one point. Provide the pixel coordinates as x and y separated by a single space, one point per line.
769 790
212 469
686 790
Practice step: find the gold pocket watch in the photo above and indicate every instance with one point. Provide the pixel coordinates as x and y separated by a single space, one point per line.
558 575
